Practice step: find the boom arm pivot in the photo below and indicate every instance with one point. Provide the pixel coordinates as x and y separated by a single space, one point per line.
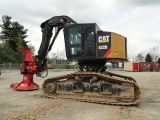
57 22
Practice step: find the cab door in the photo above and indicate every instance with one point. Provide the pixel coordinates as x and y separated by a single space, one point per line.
89 40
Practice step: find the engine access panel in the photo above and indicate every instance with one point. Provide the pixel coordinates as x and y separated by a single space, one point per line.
88 42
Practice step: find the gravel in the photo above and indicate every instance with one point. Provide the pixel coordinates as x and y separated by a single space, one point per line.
31 105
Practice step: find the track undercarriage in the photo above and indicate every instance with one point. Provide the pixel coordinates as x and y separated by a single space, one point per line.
106 88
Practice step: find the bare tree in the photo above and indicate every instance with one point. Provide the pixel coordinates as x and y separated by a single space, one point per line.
154 53
140 57
144 53
62 55
54 56
131 57
58 55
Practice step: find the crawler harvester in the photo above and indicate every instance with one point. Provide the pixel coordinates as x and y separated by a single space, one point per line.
92 48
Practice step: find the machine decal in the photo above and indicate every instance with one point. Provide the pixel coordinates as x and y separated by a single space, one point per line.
103 47
107 53
103 39
104 44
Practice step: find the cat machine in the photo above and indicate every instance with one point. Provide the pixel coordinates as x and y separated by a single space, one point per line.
92 48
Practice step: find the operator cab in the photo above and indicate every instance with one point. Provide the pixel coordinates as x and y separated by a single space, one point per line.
81 40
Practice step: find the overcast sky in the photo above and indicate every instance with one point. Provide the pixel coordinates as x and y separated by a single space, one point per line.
138 20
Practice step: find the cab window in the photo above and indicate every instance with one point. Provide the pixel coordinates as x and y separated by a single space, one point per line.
75 35
90 33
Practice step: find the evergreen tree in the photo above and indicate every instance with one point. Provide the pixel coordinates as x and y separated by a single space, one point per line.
12 36
158 60
13 33
19 35
5 28
148 58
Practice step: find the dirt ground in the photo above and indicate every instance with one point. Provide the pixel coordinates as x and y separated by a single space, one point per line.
31 105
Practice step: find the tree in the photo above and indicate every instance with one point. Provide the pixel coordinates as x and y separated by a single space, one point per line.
19 34
148 58
158 60
130 57
5 28
154 52
12 36
139 57
8 55
13 33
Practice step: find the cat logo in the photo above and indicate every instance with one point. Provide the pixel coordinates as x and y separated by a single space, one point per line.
103 39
